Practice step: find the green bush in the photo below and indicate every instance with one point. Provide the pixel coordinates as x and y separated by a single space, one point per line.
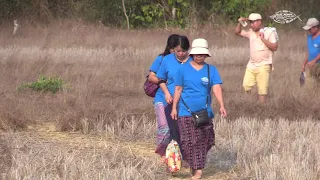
44 83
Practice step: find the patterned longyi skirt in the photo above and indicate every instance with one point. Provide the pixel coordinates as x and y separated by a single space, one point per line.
195 142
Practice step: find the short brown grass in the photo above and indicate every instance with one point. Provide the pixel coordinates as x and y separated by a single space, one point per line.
105 70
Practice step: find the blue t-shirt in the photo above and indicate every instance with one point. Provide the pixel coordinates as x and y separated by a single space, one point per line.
156 64
168 71
313 47
195 88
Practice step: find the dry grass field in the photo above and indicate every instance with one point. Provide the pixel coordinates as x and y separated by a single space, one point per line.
102 126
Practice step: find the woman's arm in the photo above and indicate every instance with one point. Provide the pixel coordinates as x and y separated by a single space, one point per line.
176 98
155 66
162 75
217 91
153 78
166 92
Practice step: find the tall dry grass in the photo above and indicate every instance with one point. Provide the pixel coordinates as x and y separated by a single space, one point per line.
268 149
105 70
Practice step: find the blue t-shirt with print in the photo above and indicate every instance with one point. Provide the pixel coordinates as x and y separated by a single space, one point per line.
195 88
313 47
168 71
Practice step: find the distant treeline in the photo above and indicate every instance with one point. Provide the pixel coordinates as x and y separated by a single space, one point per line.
150 13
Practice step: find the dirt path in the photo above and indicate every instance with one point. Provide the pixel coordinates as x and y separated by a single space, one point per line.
47 132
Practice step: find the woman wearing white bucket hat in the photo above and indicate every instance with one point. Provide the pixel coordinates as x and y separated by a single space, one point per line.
194 82
200 46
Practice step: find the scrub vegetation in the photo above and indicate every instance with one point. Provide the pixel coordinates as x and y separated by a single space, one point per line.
102 126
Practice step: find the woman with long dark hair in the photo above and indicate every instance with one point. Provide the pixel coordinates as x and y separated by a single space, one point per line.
166 75
163 134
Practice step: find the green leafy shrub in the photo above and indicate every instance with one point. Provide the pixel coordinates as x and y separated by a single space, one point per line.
44 83
151 13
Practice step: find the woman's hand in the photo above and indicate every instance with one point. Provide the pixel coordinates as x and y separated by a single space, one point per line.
311 64
168 98
174 114
223 111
